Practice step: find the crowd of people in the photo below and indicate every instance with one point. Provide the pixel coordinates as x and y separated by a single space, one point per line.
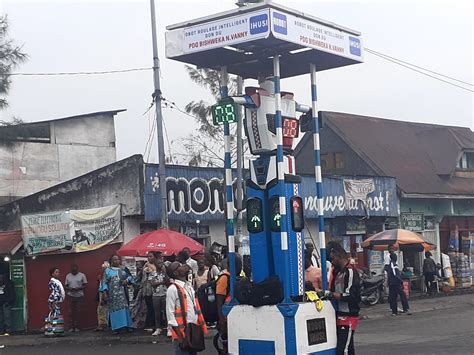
151 299
162 296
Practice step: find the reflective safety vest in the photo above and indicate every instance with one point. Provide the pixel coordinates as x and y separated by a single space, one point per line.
181 314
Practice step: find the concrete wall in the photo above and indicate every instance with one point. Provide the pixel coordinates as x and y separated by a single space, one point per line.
78 145
117 183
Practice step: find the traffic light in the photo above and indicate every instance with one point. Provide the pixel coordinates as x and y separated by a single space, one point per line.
254 215
275 216
297 220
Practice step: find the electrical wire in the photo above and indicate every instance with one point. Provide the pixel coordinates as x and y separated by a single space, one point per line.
417 66
421 72
82 73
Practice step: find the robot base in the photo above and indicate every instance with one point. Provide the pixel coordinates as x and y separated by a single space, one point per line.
264 330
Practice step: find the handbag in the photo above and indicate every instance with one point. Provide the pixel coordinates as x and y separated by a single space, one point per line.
194 335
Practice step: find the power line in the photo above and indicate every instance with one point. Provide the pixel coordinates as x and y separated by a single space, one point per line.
416 66
81 72
421 72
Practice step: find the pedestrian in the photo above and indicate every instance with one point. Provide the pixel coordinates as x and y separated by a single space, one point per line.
210 262
312 274
7 299
149 273
54 321
223 296
182 308
345 290
75 284
102 308
429 272
391 250
309 248
188 260
139 264
202 276
113 288
395 286
160 282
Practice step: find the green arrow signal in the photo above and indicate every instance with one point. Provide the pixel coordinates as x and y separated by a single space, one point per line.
277 219
256 220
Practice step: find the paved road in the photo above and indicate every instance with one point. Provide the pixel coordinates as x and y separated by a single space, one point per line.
449 331
446 331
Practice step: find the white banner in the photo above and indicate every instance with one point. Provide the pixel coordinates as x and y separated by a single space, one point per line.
358 190
311 34
95 227
46 232
217 34
71 231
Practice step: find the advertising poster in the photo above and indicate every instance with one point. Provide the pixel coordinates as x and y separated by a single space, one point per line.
71 231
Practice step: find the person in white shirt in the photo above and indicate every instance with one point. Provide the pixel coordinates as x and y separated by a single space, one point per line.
191 262
179 273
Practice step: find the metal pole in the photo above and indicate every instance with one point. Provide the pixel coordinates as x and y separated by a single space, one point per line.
159 121
281 177
228 186
240 84
318 175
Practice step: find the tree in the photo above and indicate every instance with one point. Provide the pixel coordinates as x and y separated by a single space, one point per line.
11 56
206 146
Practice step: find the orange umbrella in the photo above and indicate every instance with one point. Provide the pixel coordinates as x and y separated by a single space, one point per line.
400 238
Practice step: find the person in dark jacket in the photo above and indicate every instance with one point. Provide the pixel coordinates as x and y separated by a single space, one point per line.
395 289
7 298
429 272
345 289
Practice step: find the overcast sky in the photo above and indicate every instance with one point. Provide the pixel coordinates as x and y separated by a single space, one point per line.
66 36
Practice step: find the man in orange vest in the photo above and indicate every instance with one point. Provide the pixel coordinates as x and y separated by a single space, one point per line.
184 311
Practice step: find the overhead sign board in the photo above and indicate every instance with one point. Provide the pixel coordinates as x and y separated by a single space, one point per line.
217 34
272 21
311 34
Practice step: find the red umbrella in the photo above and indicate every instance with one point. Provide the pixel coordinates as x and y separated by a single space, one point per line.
163 240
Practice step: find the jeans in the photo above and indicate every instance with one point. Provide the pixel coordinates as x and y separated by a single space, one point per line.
74 311
5 318
150 312
393 292
159 306
178 351
345 340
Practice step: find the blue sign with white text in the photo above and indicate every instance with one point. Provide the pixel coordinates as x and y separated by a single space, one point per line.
280 23
354 46
258 24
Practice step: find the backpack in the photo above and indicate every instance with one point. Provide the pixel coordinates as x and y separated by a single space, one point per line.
206 295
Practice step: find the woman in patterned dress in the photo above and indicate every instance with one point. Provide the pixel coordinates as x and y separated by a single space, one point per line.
113 288
57 294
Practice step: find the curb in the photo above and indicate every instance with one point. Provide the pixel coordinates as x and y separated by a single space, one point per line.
35 340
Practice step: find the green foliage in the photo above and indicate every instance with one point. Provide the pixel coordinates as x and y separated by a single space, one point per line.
11 56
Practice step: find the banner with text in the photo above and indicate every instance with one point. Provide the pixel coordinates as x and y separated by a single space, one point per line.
71 231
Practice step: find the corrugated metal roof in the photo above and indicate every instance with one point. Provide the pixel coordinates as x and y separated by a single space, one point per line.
421 156
10 241
98 113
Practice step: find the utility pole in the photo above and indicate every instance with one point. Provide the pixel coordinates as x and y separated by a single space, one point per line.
159 121
240 84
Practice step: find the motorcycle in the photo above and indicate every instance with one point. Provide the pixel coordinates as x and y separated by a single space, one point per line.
372 288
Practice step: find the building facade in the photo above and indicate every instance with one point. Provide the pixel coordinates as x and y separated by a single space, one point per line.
433 166
35 156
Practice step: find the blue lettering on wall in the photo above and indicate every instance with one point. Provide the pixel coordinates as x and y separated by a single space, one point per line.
258 24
